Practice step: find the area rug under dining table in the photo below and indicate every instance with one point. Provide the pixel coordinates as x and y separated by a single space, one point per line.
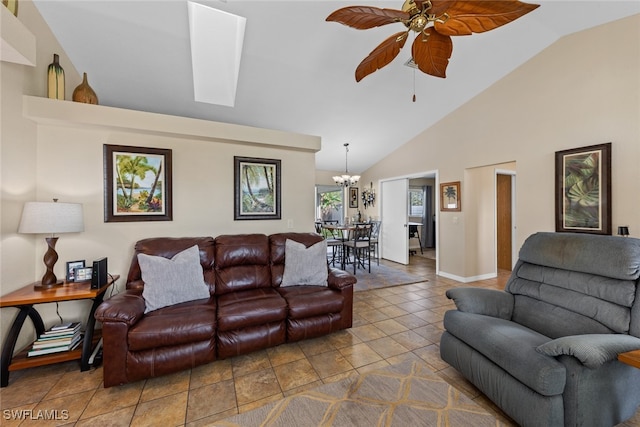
383 276
406 394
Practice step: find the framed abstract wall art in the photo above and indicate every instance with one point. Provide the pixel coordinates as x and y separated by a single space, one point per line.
256 188
137 184
583 189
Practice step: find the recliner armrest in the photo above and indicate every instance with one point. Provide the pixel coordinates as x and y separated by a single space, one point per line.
593 350
489 302
339 279
127 307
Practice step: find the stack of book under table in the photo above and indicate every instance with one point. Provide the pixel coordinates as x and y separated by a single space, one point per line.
59 338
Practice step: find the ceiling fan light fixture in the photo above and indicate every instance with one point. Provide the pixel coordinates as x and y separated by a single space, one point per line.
437 22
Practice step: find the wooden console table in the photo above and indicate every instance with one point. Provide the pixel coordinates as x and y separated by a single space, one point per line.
24 299
630 358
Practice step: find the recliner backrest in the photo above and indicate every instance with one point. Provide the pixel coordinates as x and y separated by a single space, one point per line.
570 284
242 262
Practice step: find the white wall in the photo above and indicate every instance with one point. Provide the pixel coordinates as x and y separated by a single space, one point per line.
582 90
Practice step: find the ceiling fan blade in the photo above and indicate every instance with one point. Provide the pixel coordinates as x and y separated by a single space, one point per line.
381 55
468 17
365 17
431 52
438 7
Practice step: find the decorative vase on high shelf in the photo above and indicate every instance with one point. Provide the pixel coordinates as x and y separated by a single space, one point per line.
84 93
55 81
12 5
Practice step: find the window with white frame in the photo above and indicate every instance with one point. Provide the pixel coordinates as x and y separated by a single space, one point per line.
416 202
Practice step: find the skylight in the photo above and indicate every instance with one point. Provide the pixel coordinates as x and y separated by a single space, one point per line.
216 48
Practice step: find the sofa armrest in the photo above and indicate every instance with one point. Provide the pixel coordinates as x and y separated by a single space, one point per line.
127 307
339 279
489 302
593 350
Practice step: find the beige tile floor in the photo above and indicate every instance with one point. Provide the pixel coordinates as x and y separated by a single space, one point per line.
390 325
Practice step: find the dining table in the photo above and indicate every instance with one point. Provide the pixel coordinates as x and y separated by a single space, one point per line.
343 235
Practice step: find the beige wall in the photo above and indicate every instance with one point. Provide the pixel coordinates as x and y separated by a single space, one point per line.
20 255
580 91
55 149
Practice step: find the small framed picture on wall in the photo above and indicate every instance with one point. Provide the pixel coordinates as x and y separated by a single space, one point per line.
450 197
353 197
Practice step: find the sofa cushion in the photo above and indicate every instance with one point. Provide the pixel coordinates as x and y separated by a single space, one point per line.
178 324
172 281
309 301
305 265
593 350
508 345
242 309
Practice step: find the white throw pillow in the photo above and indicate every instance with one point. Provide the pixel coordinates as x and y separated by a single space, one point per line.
305 266
172 281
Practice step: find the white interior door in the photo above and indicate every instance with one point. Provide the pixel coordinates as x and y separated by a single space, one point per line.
394 237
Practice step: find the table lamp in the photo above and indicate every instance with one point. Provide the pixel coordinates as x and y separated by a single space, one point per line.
51 218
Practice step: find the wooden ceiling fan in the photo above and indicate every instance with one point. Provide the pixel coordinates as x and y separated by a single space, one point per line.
434 21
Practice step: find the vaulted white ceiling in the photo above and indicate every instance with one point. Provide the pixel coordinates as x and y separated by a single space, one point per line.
296 70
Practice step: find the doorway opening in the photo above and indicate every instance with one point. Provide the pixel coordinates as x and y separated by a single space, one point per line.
408 207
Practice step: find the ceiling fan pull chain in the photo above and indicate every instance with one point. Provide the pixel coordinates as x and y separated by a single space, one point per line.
414 71
414 85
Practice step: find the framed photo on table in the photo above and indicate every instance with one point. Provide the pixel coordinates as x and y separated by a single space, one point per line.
137 184
256 188
83 274
450 197
71 269
583 189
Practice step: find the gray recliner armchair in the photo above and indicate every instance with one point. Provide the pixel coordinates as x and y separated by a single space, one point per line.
545 349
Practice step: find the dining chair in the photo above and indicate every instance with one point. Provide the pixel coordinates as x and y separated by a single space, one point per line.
359 244
373 241
334 242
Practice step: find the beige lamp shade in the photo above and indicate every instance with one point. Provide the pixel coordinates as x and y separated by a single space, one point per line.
51 218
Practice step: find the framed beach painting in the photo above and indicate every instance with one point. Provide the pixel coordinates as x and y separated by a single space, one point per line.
256 188
583 189
450 197
137 184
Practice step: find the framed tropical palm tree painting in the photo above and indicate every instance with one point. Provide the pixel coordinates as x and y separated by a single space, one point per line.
137 184
583 189
256 188
450 197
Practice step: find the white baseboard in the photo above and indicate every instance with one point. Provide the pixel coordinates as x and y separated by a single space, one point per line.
467 279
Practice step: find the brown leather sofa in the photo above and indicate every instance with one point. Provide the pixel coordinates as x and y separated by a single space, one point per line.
247 309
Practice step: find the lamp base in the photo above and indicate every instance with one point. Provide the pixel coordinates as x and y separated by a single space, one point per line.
39 286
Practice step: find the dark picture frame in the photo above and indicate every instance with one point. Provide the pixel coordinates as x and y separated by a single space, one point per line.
137 184
353 197
583 189
450 197
71 267
256 188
